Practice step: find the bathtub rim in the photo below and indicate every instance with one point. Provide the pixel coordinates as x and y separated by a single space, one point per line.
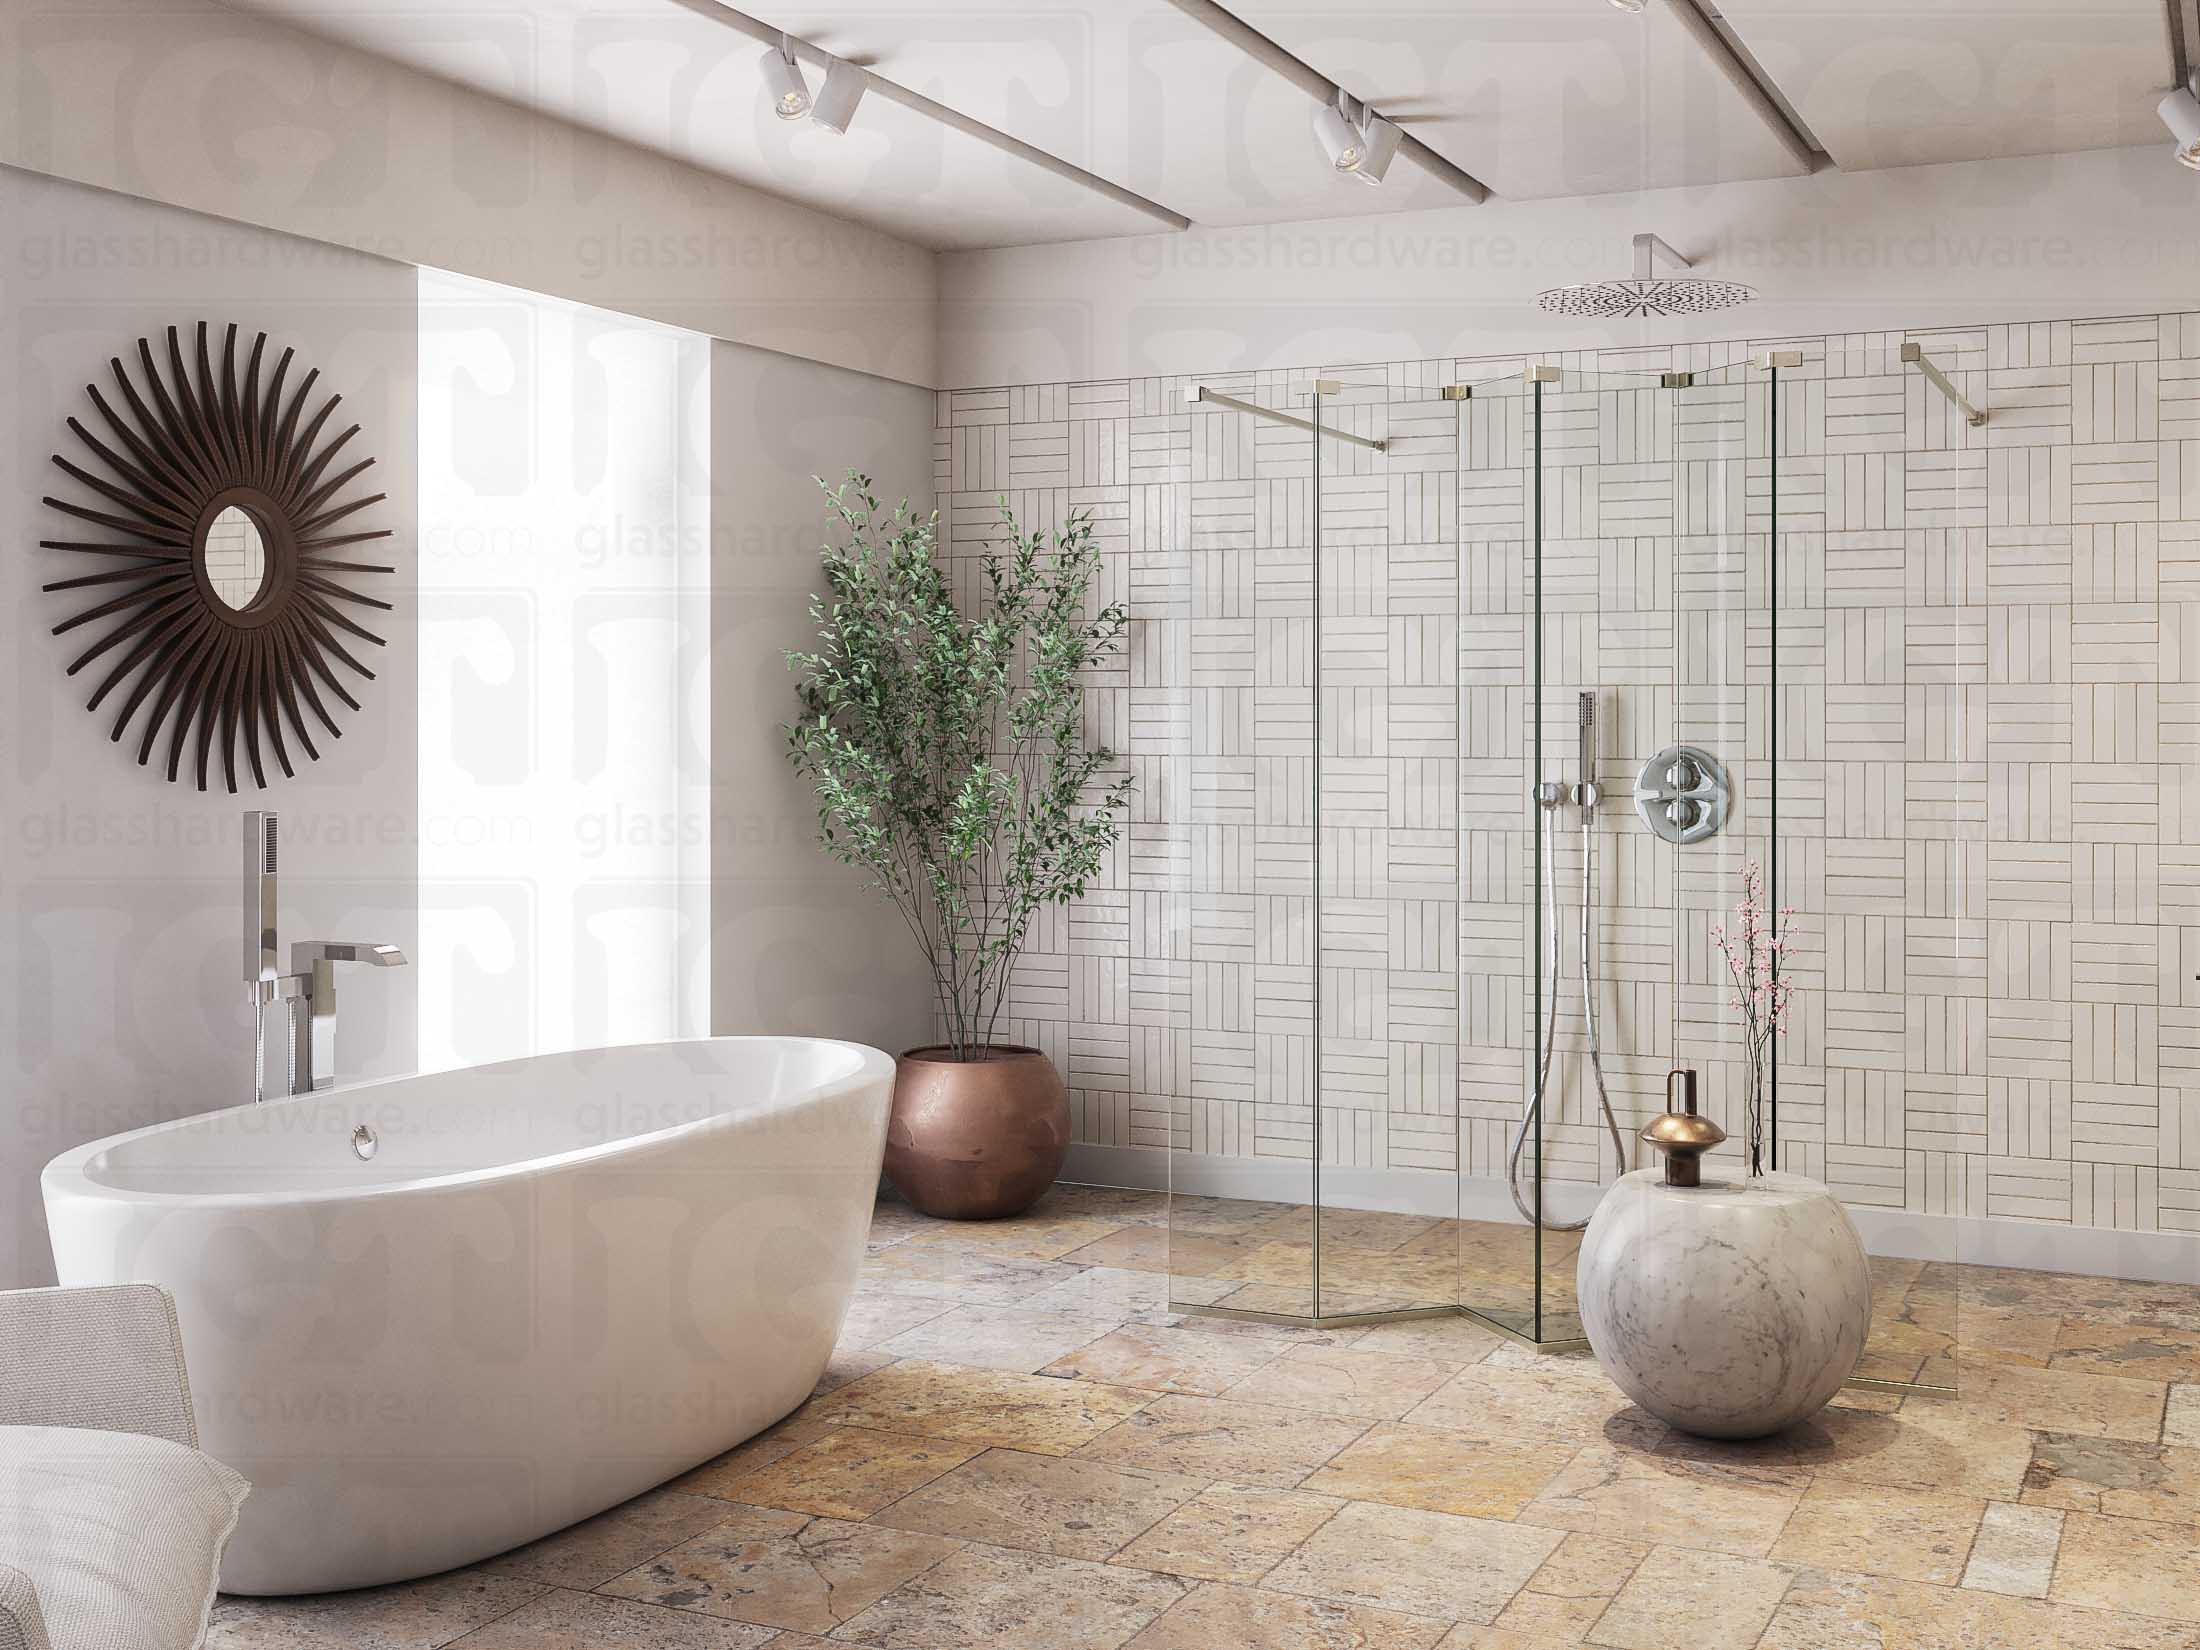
67 1175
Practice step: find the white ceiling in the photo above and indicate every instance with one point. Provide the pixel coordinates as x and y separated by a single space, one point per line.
1534 97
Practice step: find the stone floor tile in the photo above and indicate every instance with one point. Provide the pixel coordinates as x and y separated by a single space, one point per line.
2137 1352
1703 1600
1122 1204
1155 1359
1914 1535
998 1337
2111 1475
411 1615
1928 1444
1414 1466
893 1222
613 1542
2059 1400
848 1365
2130 1564
1506 1398
2181 1423
981 1406
987 1596
2014 1551
781 1569
849 1472
1457 1341
960 1277
561 1620
802 1427
1027 1237
1684 1503
874 1317
1545 1619
1230 1532
1107 1292
1422 1563
1589 1566
1156 1249
1841 1610
1371 1386
1244 1618
1068 1506
1210 1438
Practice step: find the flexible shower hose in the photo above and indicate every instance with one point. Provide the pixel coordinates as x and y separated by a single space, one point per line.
1534 1110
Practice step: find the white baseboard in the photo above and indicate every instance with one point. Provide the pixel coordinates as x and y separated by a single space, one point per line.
2031 1245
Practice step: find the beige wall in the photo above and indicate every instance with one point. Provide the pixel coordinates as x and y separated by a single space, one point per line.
798 944
121 992
230 113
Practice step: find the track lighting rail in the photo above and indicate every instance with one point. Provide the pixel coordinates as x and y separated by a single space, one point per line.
1917 357
1320 88
1201 393
771 35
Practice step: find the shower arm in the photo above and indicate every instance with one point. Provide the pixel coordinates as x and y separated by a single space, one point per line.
1648 245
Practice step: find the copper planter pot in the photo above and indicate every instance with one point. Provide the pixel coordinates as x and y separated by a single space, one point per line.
976 1139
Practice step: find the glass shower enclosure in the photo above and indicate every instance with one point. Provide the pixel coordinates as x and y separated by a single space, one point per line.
1485 722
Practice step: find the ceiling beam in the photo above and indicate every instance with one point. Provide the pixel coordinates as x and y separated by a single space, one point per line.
771 35
1321 88
1748 78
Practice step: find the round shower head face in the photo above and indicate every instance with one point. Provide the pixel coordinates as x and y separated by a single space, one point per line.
1662 295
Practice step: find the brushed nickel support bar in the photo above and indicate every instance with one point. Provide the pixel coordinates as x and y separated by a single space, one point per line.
757 29
1750 81
1939 380
1320 88
1200 392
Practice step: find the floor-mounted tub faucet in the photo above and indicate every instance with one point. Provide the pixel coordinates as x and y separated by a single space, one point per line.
301 1056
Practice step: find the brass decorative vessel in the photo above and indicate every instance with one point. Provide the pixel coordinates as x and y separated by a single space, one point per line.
976 1139
1682 1134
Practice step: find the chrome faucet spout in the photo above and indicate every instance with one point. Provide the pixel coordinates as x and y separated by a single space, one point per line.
309 1048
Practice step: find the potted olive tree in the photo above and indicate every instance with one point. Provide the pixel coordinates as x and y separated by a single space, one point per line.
949 757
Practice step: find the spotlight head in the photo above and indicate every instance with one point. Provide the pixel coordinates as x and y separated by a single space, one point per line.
838 97
1381 139
1339 138
1632 7
783 83
2180 112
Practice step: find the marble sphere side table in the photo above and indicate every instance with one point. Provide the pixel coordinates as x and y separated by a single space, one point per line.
1729 1309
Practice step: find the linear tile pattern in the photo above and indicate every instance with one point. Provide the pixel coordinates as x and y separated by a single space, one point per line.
1987 719
1181 1483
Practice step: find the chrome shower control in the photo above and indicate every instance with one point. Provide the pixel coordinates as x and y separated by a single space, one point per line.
1683 794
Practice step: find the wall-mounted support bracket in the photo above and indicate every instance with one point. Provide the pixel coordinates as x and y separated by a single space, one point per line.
1917 357
1197 393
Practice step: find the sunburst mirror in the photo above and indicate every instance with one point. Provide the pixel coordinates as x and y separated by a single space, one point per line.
230 619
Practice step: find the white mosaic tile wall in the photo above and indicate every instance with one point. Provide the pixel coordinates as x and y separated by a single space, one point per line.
1988 714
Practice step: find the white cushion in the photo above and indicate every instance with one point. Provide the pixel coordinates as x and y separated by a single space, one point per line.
121 1534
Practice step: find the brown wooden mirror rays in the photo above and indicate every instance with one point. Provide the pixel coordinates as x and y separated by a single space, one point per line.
229 621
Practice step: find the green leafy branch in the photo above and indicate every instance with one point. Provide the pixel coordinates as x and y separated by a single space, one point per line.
948 753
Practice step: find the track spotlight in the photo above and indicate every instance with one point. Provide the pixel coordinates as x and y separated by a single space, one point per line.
1381 139
838 97
2180 112
1357 140
789 92
1340 139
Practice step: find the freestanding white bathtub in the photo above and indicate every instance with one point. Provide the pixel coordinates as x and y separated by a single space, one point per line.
554 1283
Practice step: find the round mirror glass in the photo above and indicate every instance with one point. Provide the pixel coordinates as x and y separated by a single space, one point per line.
236 559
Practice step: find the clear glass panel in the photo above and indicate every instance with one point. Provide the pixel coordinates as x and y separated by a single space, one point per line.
1389 1184
1641 668
1242 1163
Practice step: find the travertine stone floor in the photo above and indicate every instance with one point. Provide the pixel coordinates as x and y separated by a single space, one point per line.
1018 1447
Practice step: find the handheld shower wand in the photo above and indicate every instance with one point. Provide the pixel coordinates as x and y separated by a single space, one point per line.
1551 797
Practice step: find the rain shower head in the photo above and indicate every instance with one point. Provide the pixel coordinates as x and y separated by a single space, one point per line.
1644 295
